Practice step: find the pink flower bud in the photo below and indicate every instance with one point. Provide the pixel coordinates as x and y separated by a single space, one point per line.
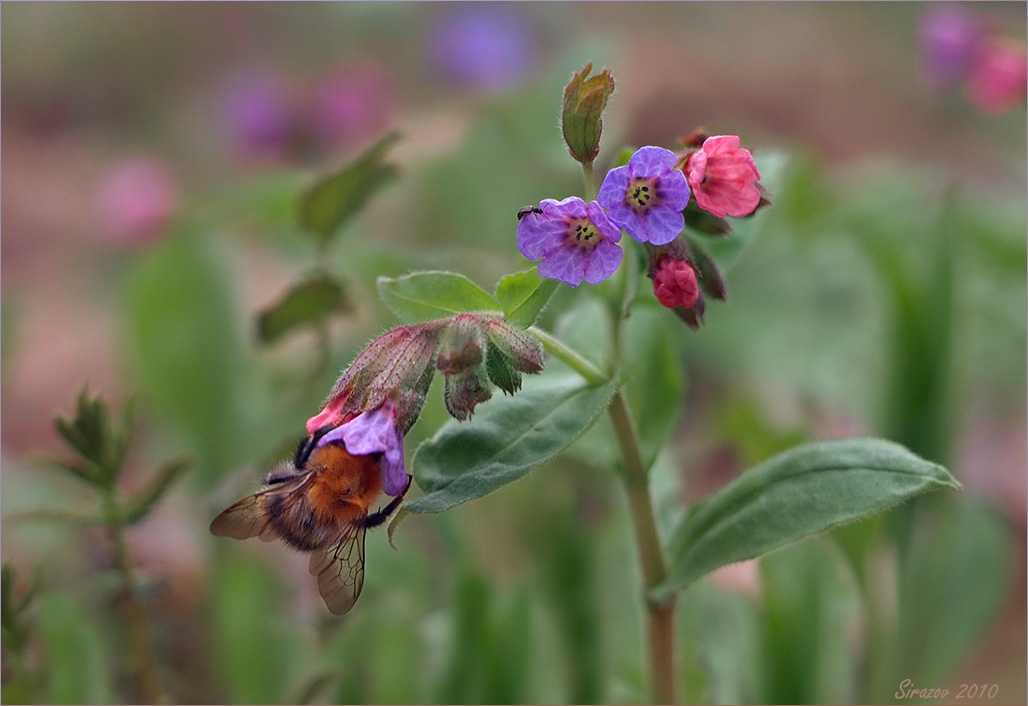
675 284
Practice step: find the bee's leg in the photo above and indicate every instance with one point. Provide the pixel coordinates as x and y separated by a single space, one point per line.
377 518
281 473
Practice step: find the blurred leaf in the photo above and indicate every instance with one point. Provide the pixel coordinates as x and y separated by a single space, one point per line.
810 604
425 296
309 303
725 250
78 661
507 439
523 295
185 341
334 199
310 689
704 221
806 490
653 379
13 619
255 650
143 502
955 584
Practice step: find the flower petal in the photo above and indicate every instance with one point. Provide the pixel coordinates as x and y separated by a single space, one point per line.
662 224
564 264
651 161
538 235
720 144
599 218
612 190
571 207
673 190
603 262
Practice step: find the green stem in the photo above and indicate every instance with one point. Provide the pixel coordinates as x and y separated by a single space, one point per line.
588 182
142 658
571 358
660 637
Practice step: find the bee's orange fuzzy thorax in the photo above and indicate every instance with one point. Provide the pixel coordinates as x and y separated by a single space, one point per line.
347 485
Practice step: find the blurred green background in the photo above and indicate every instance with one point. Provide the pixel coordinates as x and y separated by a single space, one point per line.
885 294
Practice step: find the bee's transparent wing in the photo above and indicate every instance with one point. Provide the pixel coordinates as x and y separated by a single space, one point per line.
340 568
249 517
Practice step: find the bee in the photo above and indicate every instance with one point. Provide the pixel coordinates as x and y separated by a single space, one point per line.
525 210
318 504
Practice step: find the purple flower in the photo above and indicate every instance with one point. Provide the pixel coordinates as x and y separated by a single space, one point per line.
483 47
375 432
647 196
259 116
949 42
574 239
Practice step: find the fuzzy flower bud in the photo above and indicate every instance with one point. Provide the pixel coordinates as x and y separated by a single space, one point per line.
580 119
462 346
397 365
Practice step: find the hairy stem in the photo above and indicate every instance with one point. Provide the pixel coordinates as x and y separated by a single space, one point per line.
142 659
571 358
660 637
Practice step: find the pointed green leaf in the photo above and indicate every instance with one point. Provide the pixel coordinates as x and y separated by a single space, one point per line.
334 199
507 438
800 492
309 303
140 505
524 295
425 296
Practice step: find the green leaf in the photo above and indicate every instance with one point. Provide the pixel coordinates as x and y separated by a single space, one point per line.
185 343
309 303
425 296
334 199
524 295
801 492
140 505
507 439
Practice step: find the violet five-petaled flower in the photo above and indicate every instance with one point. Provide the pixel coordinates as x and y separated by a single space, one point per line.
575 241
375 432
723 177
646 197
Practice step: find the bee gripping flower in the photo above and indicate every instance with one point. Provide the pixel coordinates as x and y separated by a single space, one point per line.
646 196
574 240
376 432
723 177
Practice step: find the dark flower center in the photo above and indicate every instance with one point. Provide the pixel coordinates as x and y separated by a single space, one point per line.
583 234
641 194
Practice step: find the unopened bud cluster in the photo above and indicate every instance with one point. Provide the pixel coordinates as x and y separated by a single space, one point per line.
472 351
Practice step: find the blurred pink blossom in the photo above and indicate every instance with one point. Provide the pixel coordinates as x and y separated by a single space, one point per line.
998 79
349 104
135 199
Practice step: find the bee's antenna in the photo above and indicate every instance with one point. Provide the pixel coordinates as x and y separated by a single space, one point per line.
306 446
